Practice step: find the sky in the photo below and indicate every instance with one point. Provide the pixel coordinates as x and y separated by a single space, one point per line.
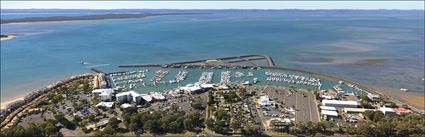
405 5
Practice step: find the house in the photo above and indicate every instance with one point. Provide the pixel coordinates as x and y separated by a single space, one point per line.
340 103
17 103
402 111
105 104
126 105
102 124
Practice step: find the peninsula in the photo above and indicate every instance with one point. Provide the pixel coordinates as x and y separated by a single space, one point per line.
88 17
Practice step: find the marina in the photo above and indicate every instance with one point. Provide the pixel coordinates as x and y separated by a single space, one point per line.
168 79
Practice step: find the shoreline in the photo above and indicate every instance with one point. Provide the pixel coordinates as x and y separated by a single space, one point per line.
8 37
410 98
414 100
87 17
28 96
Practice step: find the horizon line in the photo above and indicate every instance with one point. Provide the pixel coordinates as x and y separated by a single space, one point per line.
189 9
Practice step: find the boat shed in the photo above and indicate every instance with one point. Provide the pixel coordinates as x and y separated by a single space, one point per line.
329 113
340 103
327 108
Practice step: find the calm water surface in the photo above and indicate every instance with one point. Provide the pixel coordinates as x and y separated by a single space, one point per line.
378 49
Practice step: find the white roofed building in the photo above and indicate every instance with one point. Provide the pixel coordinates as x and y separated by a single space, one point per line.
192 88
207 86
340 103
126 105
387 111
373 97
327 108
146 97
123 97
329 113
105 104
129 96
103 94
157 96
265 101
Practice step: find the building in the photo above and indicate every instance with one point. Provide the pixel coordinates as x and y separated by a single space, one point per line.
32 95
326 97
402 111
146 97
126 105
329 114
129 96
387 111
105 104
373 97
265 101
192 88
103 94
17 103
357 110
280 124
340 103
123 97
158 96
137 98
327 108
207 86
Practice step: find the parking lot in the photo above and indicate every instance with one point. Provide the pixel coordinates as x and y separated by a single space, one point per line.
292 101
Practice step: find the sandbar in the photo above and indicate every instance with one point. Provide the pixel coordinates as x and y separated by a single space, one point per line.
7 37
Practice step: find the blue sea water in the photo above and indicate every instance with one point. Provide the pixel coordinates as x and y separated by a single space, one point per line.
332 42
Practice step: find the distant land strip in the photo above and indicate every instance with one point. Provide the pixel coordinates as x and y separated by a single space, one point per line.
88 17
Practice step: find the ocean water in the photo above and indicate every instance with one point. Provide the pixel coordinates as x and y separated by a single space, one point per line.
378 48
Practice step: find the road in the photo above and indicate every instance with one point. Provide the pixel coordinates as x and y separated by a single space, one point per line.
306 108
255 113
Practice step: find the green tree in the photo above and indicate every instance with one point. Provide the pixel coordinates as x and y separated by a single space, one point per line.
113 122
152 126
250 129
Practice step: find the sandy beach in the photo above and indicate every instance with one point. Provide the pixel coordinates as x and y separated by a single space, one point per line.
414 99
8 37
7 102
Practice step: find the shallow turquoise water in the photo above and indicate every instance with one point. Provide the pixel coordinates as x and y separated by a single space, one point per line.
327 42
194 74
